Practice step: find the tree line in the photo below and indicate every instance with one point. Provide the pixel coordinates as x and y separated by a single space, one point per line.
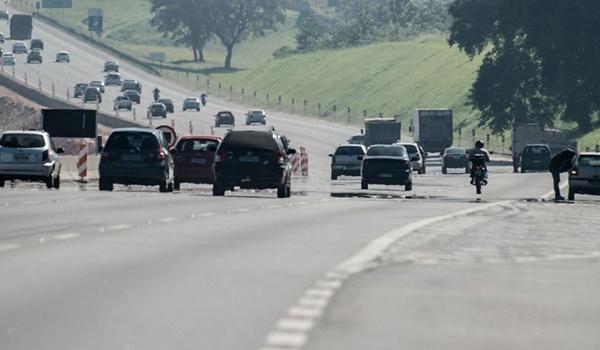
194 22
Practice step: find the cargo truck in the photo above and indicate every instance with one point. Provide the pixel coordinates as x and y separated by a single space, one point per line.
382 131
432 129
527 134
20 27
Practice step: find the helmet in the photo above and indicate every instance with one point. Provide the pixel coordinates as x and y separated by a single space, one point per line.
479 144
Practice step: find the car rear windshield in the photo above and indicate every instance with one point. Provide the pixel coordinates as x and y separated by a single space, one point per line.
536 151
225 114
412 149
249 140
196 145
350 151
589 160
386 151
22 141
138 141
456 151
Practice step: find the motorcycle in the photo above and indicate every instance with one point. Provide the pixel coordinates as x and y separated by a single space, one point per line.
156 94
479 172
204 99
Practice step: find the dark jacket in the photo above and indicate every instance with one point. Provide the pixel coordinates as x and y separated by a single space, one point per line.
562 162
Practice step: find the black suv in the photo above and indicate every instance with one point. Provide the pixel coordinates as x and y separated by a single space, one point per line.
253 159
136 156
37 44
34 56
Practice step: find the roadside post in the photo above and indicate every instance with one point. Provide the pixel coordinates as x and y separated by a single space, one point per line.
267 100
473 132
459 135
293 101
25 77
191 128
53 90
319 108
348 115
334 111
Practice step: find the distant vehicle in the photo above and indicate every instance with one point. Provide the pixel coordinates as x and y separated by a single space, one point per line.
129 84
584 177
386 165
525 134
357 140
19 47
79 89
63 56
168 103
157 109
136 156
122 102
347 160
111 66
112 79
418 162
34 56
133 95
191 103
92 94
455 158
31 156
194 159
99 84
253 159
433 129
4 15
37 44
224 118
256 117
20 27
8 59
535 157
382 131
2 38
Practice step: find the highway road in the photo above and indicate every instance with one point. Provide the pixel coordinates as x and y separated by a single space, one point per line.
333 267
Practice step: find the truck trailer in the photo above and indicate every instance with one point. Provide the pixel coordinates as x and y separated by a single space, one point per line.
432 129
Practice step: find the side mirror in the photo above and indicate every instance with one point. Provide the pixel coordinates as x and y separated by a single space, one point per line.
100 148
291 151
410 129
414 159
492 152
173 151
60 150
331 155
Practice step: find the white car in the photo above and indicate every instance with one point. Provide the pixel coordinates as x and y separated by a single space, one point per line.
30 156
584 177
19 47
63 56
8 59
99 84
418 163
256 117
1 38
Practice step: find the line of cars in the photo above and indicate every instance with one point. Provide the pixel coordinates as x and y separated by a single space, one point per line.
33 51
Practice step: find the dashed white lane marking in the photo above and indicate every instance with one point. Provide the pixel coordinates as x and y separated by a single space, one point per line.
295 325
67 236
286 339
166 220
119 227
205 215
302 312
9 246
242 210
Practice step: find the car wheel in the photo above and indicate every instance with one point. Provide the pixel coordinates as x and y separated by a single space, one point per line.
198 109
515 169
408 186
334 176
163 187
218 189
444 170
56 183
1 182
364 185
523 170
571 195
467 170
289 190
420 171
283 191
105 185
170 187
177 185
424 170
50 181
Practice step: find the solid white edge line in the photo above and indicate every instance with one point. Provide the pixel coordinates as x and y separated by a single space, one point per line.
9 246
67 236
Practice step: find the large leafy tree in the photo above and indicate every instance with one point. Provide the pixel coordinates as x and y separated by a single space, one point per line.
541 58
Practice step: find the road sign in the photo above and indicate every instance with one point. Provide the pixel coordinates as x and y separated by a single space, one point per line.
57 4
169 133
157 56
72 123
96 20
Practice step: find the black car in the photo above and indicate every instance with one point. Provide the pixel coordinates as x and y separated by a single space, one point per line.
253 159
37 44
4 14
34 56
79 89
133 95
92 94
136 156
224 118
128 84
168 103
455 158
386 165
157 110
535 157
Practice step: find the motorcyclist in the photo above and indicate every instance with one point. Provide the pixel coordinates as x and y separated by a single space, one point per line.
156 93
204 98
473 157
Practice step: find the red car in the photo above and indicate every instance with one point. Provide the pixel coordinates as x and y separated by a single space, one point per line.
194 158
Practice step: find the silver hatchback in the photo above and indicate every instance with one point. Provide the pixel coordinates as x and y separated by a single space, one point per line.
30 156
584 177
347 160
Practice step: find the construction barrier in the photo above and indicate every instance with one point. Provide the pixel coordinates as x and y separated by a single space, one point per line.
295 161
191 128
82 162
173 123
303 162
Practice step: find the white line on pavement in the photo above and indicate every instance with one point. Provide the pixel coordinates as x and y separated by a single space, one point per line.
119 227
9 246
67 236
166 220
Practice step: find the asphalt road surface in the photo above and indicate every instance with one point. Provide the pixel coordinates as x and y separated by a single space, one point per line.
333 267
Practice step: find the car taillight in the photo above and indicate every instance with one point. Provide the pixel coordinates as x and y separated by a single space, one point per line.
105 156
279 158
221 156
161 155
45 156
574 172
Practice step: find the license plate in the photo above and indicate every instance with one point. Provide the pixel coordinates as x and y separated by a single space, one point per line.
249 159
131 157
21 158
198 161
387 176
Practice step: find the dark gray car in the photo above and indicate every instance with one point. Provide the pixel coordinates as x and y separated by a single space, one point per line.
136 156
347 160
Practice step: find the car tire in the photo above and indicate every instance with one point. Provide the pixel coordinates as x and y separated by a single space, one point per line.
163 187
467 170
515 169
523 170
49 181
171 187
1 182
444 170
364 185
334 176
571 195
105 185
420 171
408 186
218 189
177 185
56 182
198 109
